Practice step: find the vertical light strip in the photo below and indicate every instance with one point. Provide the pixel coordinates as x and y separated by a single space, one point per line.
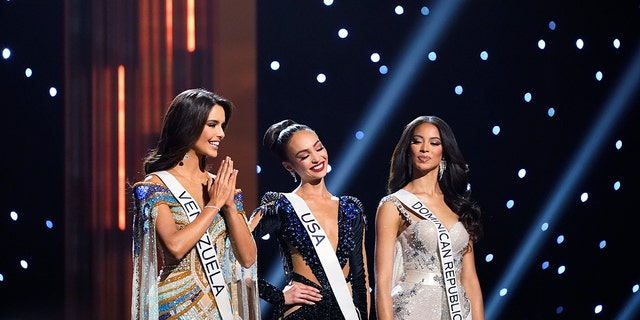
169 25
191 26
168 66
122 207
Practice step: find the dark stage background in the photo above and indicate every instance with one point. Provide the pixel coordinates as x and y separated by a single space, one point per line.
542 95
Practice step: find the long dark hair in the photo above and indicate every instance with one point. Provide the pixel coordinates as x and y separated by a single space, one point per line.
182 125
277 137
455 180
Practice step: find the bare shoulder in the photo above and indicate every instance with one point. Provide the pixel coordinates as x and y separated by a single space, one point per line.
387 211
152 178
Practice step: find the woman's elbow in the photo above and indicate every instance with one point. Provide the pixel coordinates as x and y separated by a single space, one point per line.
177 252
248 258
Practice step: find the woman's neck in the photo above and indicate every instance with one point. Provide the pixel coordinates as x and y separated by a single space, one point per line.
191 170
313 190
426 184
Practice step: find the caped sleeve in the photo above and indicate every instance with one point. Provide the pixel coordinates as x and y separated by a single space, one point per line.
144 295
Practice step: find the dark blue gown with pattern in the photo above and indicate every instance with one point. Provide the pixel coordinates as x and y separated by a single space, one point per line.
279 219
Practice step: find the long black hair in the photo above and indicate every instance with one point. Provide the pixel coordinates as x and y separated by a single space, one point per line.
182 125
455 180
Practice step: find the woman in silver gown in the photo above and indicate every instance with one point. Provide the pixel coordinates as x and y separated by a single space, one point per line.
425 230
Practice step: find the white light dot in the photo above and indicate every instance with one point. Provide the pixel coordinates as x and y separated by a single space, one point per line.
561 269
28 72
424 11
53 91
275 65
49 224
359 135
484 55
616 43
598 309
489 258
321 77
551 112
522 173
503 292
616 185
432 56
258 169
579 44
399 10
329 168
552 25
541 44
599 75
545 265
266 236
14 215
527 97
510 204
602 244
544 226
495 130
635 288
343 33
1 277
383 69
584 197
375 57
560 239
24 264
458 90
328 2
619 144
6 53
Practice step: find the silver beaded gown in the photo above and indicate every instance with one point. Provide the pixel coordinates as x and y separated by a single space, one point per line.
418 289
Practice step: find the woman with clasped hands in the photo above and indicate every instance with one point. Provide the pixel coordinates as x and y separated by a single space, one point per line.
191 241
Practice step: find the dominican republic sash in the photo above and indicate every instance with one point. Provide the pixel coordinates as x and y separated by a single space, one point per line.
205 246
326 255
444 246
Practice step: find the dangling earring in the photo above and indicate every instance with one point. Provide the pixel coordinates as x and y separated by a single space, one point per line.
293 174
443 166
186 157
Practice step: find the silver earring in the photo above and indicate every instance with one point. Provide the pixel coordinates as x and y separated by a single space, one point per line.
293 174
442 167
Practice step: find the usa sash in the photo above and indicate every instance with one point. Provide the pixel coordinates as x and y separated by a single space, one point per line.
327 256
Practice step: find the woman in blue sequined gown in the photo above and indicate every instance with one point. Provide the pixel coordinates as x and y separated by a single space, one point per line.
308 294
428 164
169 280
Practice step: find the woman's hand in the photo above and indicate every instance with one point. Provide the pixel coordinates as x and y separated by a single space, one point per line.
222 188
298 293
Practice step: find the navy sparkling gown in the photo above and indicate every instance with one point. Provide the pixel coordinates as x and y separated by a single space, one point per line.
280 220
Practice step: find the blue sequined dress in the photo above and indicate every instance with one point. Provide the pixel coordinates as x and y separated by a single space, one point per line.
165 288
280 220
418 289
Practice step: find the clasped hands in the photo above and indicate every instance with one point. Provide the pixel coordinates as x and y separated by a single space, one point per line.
222 188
